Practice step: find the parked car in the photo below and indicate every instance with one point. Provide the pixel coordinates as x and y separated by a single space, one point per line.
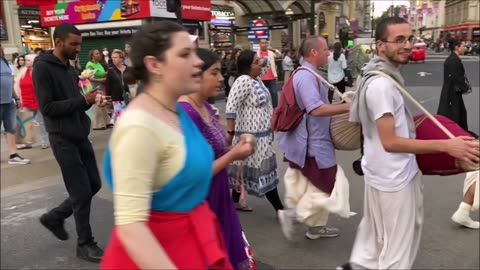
419 52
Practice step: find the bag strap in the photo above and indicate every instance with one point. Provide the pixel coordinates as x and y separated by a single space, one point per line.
330 86
414 101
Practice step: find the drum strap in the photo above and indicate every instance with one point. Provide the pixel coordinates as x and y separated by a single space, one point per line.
415 102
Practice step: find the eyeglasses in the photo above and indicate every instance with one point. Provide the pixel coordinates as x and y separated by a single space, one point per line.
402 40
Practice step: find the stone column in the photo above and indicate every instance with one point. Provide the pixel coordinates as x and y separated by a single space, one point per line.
14 42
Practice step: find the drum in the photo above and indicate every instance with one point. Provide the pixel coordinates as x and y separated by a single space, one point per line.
345 134
440 163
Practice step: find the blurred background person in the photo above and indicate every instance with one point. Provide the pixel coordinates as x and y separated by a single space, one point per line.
126 52
24 86
101 120
337 63
287 65
116 85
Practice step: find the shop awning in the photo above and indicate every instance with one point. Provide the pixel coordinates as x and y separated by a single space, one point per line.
276 8
463 26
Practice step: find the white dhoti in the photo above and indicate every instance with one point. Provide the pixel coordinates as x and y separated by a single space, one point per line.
389 233
470 179
311 204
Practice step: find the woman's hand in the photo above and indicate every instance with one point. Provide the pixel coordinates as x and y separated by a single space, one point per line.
241 150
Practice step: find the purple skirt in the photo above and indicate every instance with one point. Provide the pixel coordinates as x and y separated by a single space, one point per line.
222 205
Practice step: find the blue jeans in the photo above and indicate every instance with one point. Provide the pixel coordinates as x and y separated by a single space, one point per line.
8 112
272 88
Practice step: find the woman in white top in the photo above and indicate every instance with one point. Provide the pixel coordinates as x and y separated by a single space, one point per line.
336 65
287 66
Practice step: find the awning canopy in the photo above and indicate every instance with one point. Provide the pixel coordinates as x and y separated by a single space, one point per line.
463 26
296 9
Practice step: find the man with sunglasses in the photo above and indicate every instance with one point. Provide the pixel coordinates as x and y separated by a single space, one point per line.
389 233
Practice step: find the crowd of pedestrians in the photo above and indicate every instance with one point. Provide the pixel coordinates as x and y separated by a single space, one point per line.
171 165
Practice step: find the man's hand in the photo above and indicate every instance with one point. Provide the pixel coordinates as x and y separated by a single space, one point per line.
90 97
18 103
464 148
102 101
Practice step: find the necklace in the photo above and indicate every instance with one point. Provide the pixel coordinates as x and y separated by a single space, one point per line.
161 104
201 110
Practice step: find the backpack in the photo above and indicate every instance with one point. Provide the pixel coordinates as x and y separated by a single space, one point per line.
287 115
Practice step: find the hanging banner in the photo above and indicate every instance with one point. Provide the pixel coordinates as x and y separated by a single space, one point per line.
420 18
92 11
436 6
402 12
424 7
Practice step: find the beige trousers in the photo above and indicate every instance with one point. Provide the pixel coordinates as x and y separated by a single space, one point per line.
313 205
100 117
389 234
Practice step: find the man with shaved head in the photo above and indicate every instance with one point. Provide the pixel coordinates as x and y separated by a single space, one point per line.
309 149
270 78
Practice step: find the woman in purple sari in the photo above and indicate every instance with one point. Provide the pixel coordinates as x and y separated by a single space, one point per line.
204 116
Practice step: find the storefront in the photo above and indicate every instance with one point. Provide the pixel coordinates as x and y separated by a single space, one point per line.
221 28
476 35
110 23
464 31
33 35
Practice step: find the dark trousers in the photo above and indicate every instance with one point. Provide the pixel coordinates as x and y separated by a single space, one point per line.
227 87
272 197
272 88
340 86
82 181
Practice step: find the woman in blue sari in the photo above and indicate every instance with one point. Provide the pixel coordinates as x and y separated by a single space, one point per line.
160 166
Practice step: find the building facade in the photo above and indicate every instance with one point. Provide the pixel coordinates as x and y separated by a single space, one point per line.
429 19
463 19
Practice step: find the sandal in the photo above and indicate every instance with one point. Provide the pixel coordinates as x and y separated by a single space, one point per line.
244 208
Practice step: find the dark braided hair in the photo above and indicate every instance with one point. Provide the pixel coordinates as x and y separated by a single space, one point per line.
209 58
453 43
151 40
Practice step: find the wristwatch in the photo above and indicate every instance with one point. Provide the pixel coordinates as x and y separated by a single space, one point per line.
231 132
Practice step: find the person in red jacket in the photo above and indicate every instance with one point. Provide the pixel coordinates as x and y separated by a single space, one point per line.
24 87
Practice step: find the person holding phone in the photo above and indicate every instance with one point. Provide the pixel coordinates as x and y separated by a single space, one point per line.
63 107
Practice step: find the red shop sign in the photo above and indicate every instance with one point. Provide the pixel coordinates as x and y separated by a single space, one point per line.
36 2
200 10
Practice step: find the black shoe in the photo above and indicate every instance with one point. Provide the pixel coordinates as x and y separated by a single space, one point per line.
346 266
55 226
90 252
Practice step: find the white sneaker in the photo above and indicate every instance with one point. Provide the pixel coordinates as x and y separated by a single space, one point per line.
322 231
18 160
462 217
291 227
45 146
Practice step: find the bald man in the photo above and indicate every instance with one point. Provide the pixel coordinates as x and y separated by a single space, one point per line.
309 150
